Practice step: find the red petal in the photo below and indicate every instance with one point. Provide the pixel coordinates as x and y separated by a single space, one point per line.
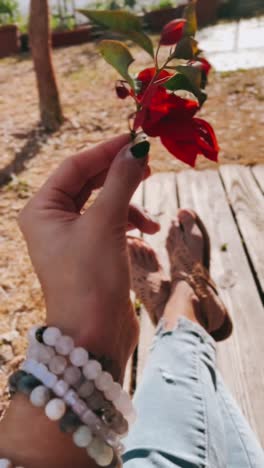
206 139
206 66
121 91
179 139
172 32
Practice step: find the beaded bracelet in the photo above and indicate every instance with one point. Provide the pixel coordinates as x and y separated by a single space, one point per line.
50 338
5 463
55 409
84 391
79 407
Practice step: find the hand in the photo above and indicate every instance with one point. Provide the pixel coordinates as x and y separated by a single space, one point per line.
81 260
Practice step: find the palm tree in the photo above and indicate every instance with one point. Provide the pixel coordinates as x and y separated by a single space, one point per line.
40 39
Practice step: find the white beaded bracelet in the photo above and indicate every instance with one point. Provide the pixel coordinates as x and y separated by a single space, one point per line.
79 357
55 408
5 463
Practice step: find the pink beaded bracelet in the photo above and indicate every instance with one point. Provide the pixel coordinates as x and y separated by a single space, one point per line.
52 341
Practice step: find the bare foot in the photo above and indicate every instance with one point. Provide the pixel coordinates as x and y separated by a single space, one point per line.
149 281
193 292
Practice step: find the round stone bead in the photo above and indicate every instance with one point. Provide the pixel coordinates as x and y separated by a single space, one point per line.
100 452
39 334
90 419
79 357
104 381
55 409
40 396
96 400
64 345
131 416
45 354
82 437
60 388
72 375
4 463
14 379
114 392
32 333
57 365
123 403
27 384
69 422
33 351
86 389
92 370
51 336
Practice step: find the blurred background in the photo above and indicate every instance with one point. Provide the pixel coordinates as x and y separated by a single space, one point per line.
231 33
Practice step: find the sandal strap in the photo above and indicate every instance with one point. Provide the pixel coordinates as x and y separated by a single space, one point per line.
198 279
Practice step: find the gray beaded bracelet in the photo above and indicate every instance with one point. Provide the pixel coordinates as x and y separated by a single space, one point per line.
49 346
56 410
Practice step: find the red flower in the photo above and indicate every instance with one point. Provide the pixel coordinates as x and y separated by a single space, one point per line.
172 119
122 90
172 32
205 65
202 64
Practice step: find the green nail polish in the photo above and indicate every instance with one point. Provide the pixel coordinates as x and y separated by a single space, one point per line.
140 150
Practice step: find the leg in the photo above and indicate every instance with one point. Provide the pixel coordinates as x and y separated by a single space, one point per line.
179 421
184 411
243 448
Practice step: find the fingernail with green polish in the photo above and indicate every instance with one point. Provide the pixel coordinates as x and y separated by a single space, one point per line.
141 149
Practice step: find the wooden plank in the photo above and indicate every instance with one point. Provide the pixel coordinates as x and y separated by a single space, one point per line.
240 357
137 200
258 172
248 205
160 200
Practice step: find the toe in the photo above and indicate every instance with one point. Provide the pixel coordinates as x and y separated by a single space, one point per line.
192 234
174 236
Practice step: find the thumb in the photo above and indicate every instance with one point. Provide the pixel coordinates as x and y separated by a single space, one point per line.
125 175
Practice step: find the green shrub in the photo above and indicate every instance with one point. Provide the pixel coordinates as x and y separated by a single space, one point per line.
9 11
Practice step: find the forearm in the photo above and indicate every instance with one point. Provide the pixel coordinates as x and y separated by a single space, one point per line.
31 440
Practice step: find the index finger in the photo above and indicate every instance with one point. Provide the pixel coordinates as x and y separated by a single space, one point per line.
76 171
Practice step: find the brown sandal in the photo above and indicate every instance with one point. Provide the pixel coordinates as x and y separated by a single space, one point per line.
199 279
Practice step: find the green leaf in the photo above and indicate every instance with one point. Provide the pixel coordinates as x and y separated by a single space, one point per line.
186 49
122 22
194 74
181 82
142 40
119 56
190 15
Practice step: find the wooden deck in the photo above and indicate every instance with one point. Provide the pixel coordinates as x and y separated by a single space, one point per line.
230 201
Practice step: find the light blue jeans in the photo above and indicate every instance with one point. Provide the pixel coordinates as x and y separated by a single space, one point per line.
186 416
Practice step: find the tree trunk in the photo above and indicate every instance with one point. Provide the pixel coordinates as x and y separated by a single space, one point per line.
40 39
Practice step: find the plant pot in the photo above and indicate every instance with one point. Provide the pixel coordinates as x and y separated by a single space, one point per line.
206 14
9 40
68 38
156 19
207 11
24 40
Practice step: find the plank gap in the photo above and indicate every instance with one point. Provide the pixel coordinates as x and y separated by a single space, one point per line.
133 385
256 180
243 242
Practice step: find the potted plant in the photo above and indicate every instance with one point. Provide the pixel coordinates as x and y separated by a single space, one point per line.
65 31
162 13
9 34
168 10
